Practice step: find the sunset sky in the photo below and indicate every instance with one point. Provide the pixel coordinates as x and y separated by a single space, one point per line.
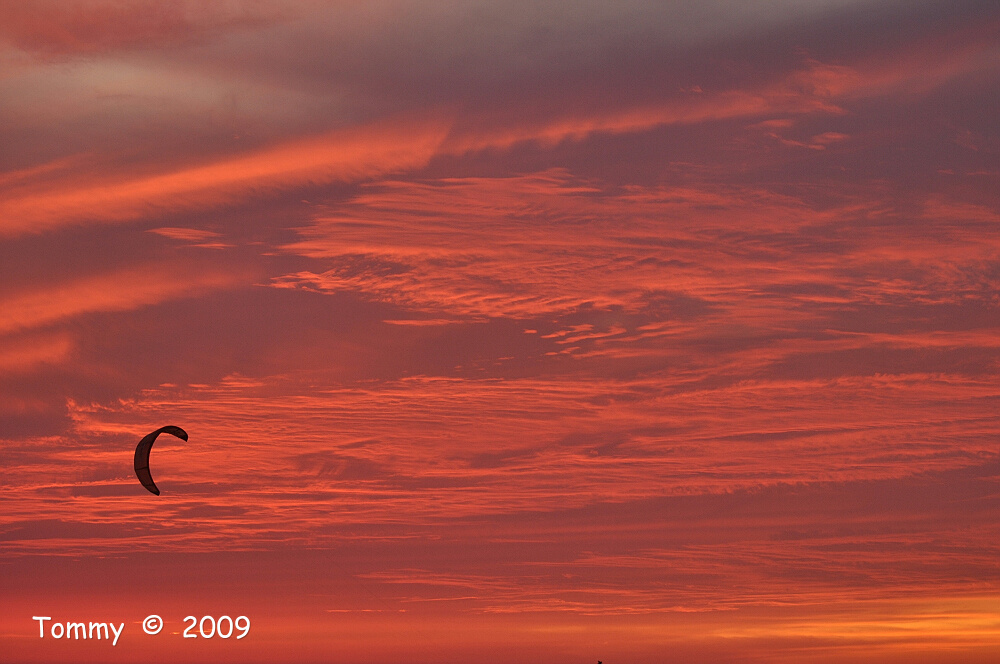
503 331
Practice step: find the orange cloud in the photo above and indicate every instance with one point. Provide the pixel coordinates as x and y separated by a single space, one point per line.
26 354
116 291
527 245
812 90
443 449
344 155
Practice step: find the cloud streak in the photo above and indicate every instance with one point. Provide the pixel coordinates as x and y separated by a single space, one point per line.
117 291
341 156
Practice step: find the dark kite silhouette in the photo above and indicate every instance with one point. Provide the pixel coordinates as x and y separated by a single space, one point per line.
142 455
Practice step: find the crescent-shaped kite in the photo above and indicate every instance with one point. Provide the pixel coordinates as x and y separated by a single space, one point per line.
142 455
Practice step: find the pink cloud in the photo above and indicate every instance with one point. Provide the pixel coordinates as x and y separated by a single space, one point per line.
346 155
120 290
76 27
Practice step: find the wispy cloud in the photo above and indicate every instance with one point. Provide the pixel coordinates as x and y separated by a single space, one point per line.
86 27
346 155
115 291
24 354
526 246
529 246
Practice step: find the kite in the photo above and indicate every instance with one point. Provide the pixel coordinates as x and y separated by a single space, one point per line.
142 455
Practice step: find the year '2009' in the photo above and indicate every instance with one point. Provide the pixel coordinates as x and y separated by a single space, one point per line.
223 627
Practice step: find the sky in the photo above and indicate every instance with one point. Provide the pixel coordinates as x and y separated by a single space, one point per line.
547 331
